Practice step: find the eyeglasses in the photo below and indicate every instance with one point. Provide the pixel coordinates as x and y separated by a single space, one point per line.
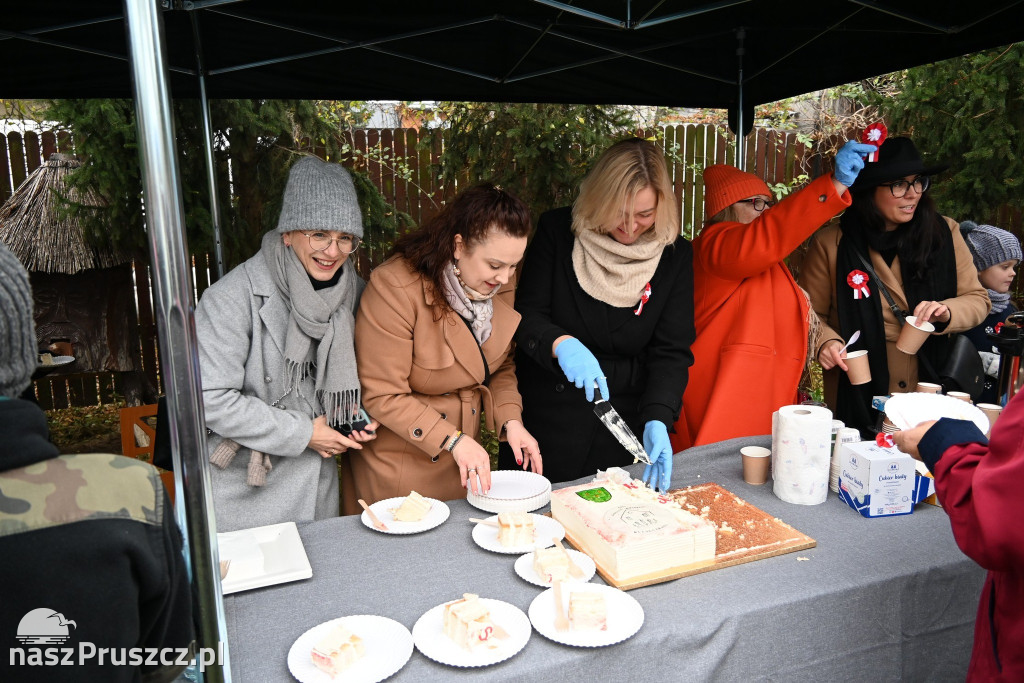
900 187
318 241
758 203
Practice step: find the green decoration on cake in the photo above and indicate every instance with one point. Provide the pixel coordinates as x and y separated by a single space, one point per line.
598 495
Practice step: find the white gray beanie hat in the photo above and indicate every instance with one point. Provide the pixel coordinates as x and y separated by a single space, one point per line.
320 196
18 356
990 245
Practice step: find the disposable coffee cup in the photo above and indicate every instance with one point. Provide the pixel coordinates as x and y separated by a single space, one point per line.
858 370
928 388
757 462
913 335
992 412
962 395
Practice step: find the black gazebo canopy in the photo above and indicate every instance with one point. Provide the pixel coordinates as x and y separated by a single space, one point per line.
656 52
722 54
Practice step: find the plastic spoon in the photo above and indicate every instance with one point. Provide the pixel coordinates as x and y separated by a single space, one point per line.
853 337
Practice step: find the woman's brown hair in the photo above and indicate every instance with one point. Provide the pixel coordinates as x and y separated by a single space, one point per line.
474 213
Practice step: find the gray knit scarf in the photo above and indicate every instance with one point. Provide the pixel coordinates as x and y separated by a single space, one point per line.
320 331
1000 300
474 307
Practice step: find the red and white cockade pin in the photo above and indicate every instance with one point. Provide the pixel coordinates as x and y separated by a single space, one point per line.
644 298
874 134
884 440
858 279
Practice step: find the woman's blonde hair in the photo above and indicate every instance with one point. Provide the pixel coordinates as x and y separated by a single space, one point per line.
626 168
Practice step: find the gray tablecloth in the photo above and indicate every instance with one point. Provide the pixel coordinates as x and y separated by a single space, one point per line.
888 599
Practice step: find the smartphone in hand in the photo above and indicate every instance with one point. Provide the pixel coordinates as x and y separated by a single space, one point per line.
358 424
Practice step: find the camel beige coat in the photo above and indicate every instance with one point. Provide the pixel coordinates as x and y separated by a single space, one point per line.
818 277
422 380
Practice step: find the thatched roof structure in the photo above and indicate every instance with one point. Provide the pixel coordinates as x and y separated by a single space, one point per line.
42 237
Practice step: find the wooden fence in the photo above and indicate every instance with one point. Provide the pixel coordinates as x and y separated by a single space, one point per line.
773 155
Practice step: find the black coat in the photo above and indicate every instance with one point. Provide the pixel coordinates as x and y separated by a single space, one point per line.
646 358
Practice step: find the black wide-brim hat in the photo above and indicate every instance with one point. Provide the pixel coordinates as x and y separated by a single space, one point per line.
897 157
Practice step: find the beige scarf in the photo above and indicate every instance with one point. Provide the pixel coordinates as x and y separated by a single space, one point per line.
476 308
612 272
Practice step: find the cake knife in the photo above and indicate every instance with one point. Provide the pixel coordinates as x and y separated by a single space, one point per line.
618 427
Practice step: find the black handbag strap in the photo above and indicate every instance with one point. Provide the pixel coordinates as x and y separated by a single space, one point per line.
896 310
900 314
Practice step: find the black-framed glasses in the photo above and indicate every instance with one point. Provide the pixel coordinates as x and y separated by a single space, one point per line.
758 203
900 187
318 241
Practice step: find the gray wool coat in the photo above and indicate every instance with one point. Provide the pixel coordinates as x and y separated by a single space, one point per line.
241 323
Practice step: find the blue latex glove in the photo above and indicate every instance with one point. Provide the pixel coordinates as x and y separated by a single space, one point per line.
850 161
658 475
580 367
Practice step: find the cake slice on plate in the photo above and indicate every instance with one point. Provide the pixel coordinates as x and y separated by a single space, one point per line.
414 508
337 651
551 564
467 622
515 529
587 612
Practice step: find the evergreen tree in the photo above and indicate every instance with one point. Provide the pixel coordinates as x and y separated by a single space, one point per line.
539 152
255 143
969 112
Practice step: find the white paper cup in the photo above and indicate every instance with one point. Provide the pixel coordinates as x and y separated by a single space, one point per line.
928 388
757 462
913 335
858 370
962 395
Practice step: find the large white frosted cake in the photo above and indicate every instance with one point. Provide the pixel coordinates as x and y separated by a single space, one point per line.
629 529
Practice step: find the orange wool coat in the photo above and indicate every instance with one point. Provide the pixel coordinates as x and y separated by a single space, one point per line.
751 319
422 379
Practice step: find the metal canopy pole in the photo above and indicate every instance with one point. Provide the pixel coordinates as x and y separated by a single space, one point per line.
211 167
174 317
741 142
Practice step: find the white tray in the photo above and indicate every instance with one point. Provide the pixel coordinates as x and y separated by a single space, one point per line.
428 634
524 568
436 515
284 557
544 528
625 616
513 491
388 647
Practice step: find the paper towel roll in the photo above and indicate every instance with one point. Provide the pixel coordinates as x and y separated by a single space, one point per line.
845 435
801 458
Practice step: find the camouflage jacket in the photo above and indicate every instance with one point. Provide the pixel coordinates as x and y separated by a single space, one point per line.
91 540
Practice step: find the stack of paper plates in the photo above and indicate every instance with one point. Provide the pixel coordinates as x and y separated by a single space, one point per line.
513 491
909 410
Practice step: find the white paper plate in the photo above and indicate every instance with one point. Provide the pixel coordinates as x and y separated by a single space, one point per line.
544 529
388 647
513 491
524 568
909 410
58 361
625 616
284 557
428 634
435 516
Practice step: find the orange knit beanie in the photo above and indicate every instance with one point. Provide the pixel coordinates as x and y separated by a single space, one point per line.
725 185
